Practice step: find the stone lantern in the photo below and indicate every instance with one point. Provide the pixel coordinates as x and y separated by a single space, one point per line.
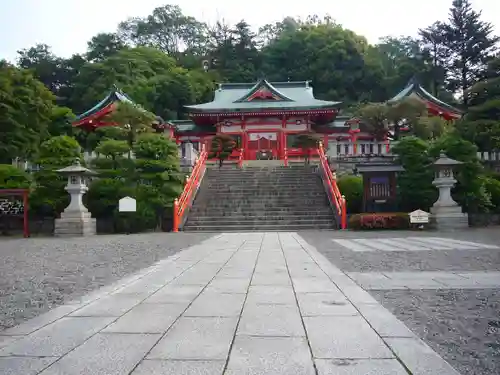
447 214
75 220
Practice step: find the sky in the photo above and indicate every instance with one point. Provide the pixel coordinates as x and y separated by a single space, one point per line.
67 25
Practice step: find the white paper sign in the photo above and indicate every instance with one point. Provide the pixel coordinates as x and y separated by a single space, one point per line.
419 217
127 204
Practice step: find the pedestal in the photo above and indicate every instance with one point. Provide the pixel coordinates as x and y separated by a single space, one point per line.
446 213
75 224
449 218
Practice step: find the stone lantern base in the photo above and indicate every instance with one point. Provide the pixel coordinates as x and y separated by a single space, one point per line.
449 218
75 224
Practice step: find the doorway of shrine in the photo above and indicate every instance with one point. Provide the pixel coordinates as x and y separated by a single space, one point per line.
263 146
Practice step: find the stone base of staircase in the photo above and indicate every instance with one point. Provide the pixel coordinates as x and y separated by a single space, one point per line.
263 196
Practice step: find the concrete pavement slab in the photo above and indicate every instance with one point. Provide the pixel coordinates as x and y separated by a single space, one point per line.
111 305
24 365
147 318
196 339
360 367
271 294
271 320
344 337
105 353
162 367
228 285
270 355
57 338
216 305
173 293
321 304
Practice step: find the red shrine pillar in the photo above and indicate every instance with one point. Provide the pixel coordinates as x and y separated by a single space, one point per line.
282 138
244 138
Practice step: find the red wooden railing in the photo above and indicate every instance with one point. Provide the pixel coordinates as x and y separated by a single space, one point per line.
240 159
285 157
190 188
337 198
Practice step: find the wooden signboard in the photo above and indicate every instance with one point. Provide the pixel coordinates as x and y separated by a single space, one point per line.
127 204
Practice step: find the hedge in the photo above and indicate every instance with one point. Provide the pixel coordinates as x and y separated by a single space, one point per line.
367 221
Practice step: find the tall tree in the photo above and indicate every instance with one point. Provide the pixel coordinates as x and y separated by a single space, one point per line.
26 109
471 44
436 53
103 45
335 59
166 29
56 73
482 122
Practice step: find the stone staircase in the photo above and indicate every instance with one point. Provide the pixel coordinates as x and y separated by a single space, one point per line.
266 198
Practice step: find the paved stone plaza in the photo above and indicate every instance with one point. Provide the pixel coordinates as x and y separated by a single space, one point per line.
240 303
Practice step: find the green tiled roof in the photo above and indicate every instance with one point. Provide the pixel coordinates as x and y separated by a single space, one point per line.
189 126
231 97
114 96
414 87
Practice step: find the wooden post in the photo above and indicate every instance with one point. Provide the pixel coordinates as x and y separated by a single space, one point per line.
175 218
26 229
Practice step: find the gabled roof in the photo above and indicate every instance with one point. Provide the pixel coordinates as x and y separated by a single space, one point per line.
415 89
263 91
114 96
234 97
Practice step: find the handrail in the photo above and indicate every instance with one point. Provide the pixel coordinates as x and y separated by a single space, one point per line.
338 199
285 157
192 184
240 159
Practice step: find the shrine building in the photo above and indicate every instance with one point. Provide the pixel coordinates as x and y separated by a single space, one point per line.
266 117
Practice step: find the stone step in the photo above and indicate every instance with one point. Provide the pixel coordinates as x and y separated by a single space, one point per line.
259 221
264 228
258 205
262 178
242 193
247 211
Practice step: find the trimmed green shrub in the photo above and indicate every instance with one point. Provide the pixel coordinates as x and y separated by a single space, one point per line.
352 188
371 221
13 178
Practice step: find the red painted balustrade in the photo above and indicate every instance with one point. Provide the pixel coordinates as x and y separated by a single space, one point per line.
337 198
190 188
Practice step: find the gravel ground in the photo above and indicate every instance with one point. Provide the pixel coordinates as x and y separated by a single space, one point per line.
434 260
463 326
39 274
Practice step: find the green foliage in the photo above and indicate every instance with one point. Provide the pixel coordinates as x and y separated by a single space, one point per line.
352 188
114 152
222 146
482 122
378 221
415 189
130 69
307 142
374 115
103 196
26 107
471 44
49 196
153 178
132 119
492 187
13 178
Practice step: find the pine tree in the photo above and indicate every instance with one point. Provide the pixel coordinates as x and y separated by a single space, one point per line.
471 44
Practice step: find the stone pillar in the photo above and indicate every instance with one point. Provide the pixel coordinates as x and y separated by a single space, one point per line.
75 220
446 213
